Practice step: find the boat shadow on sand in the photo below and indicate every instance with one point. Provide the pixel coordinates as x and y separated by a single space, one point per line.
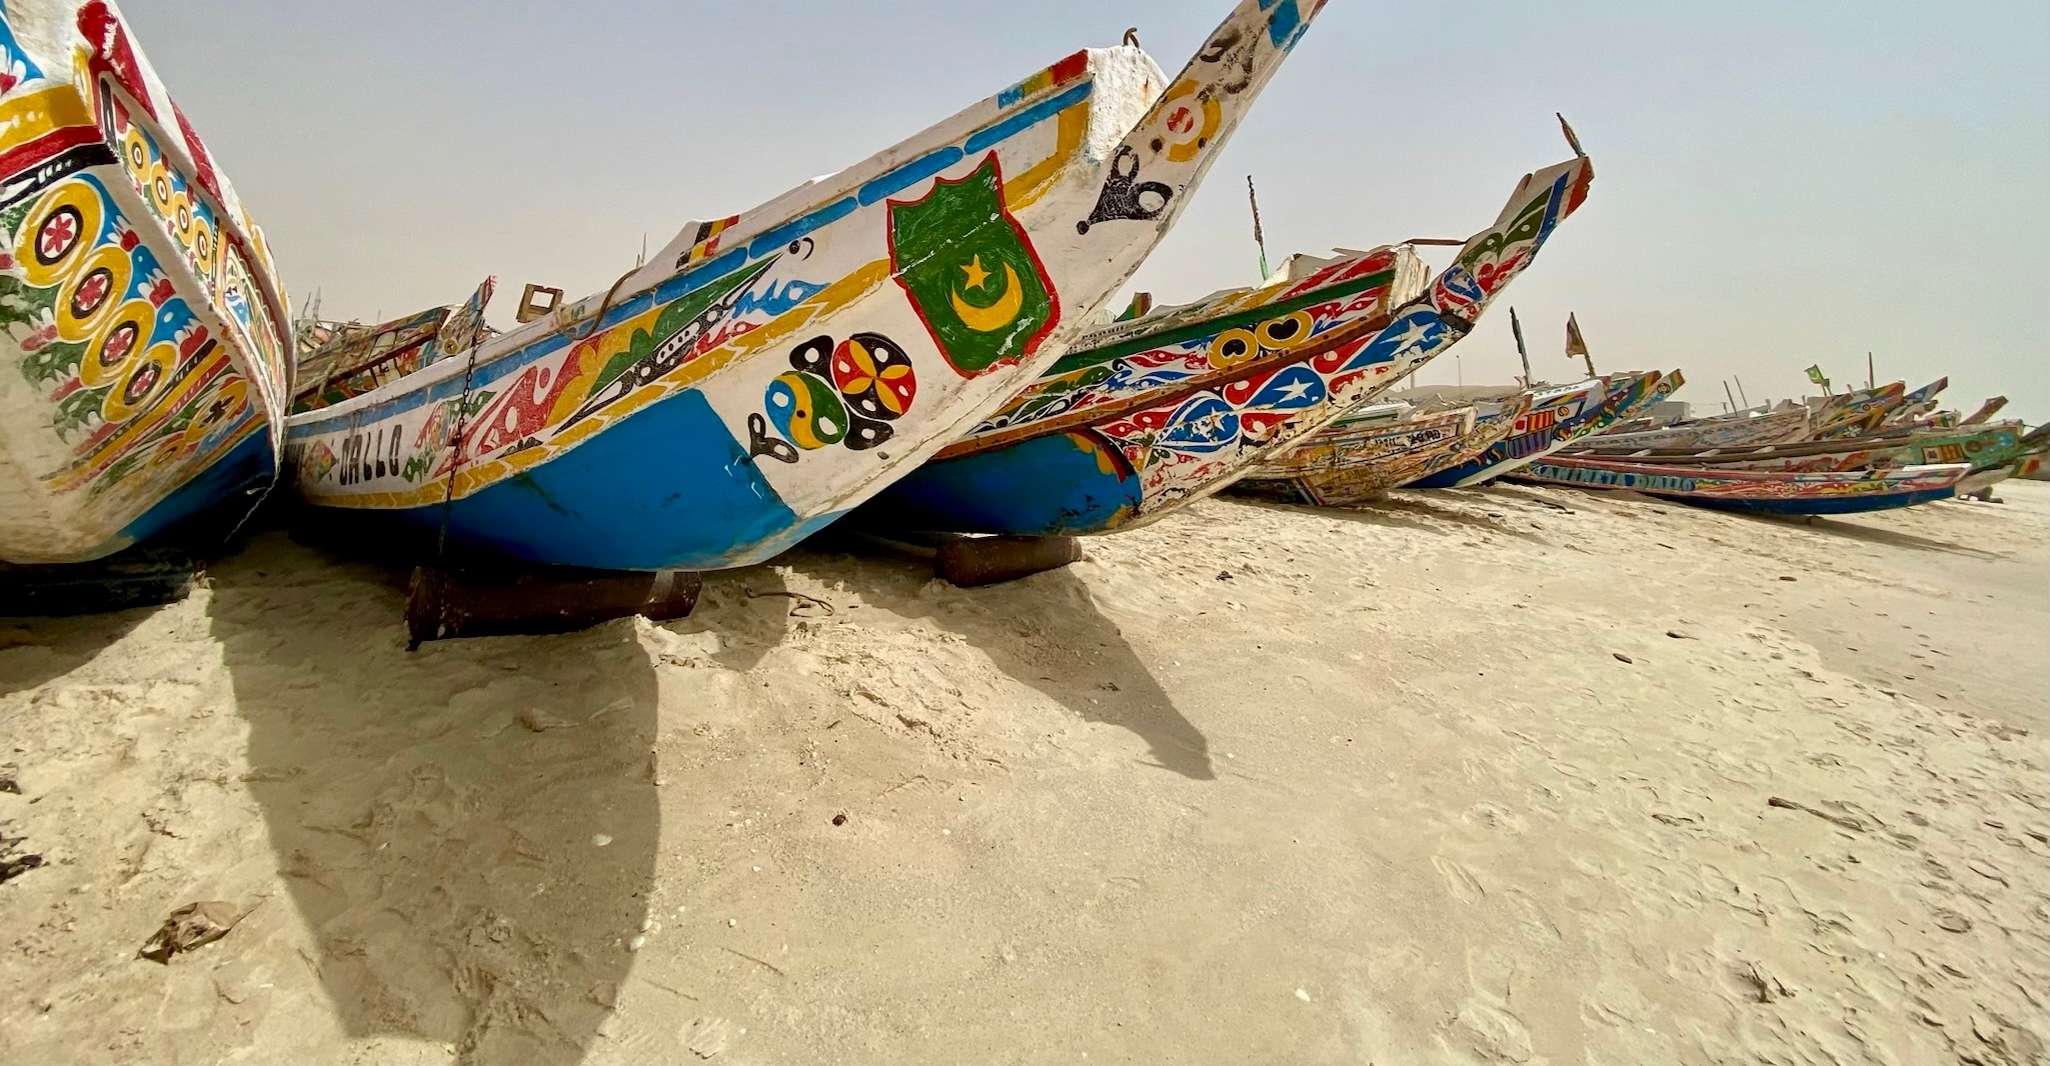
1045 631
1622 502
1875 535
1407 510
467 831
34 649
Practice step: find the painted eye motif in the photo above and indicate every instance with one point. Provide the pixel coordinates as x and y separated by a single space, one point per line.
1233 347
1286 332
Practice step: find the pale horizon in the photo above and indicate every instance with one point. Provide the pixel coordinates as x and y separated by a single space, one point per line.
1774 187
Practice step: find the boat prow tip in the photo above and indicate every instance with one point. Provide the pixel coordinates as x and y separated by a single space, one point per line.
1572 139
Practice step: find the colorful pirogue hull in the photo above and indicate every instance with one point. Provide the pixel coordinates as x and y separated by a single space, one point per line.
1556 419
1356 460
1985 412
143 341
1854 414
1151 414
2033 466
2026 461
767 372
1916 405
1980 449
1776 427
1755 491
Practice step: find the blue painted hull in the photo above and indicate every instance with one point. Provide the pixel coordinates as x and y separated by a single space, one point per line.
1063 484
221 495
667 488
1817 506
1505 454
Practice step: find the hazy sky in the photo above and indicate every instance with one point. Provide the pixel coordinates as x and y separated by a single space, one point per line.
1776 184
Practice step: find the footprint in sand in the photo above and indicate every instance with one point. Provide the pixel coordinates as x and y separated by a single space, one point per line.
1461 881
1493 816
1488 1033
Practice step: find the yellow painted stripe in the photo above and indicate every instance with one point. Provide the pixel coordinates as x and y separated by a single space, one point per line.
28 116
481 475
1031 184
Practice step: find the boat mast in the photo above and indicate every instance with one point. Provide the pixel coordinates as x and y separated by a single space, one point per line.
1516 327
1259 239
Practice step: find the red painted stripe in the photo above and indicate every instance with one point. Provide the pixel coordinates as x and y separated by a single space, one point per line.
47 147
1070 68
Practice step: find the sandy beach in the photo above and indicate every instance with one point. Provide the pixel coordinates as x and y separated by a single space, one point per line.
1514 775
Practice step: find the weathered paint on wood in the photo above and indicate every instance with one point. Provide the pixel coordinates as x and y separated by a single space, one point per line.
144 351
1352 462
1153 413
1556 419
1756 491
1777 427
1978 448
768 371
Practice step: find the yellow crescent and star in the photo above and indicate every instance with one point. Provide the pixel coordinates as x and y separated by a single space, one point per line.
1010 299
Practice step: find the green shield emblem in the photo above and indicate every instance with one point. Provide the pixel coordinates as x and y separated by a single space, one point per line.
970 273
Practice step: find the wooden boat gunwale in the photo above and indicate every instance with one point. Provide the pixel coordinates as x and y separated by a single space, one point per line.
1759 492
672 438
1139 401
1732 457
529 341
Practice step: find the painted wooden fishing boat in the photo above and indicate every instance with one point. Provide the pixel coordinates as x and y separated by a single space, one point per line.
1556 419
2033 465
144 346
1631 425
2026 462
1854 414
1981 448
1151 414
766 372
1775 427
1356 461
1985 412
1757 491
1918 404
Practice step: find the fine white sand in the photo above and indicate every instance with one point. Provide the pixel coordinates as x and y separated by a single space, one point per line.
1254 784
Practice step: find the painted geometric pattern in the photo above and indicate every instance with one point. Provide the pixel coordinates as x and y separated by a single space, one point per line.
124 294
862 320
1182 344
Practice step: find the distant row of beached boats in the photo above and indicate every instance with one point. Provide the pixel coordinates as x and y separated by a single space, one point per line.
1864 450
918 344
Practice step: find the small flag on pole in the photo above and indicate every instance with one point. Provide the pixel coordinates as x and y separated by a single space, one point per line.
1815 375
1575 343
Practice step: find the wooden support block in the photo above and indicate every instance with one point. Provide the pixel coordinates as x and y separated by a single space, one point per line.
506 600
971 562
